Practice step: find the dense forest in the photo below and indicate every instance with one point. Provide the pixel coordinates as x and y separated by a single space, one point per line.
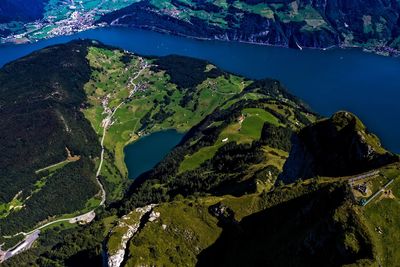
40 120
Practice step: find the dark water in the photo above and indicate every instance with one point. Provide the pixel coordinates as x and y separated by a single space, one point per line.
145 153
366 84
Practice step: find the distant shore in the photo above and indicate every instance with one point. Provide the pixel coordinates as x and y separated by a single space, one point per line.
382 51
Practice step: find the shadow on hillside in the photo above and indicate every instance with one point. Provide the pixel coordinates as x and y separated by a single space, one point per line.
300 232
339 146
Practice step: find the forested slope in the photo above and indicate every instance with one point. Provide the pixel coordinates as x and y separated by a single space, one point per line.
319 24
40 121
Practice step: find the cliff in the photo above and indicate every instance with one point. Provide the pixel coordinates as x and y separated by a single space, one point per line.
338 146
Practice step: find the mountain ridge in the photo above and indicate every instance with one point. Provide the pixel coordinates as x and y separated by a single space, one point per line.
370 25
300 23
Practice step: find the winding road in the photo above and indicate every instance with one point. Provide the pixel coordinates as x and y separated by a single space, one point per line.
31 236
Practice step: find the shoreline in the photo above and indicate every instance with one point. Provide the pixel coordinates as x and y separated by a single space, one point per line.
199 38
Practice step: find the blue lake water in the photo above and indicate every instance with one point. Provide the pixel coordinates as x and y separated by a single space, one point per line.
366 84
145 153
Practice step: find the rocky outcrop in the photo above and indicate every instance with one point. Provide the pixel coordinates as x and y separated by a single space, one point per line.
127 227
338 146
224 214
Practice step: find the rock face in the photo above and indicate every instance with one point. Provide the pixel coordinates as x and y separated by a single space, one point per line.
127 227
334 147
297 23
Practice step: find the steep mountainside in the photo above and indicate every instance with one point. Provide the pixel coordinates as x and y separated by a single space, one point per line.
319 24
370 24
337 146
226 211
41 125
215 199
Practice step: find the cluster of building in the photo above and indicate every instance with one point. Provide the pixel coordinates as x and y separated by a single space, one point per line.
173 12
78 21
